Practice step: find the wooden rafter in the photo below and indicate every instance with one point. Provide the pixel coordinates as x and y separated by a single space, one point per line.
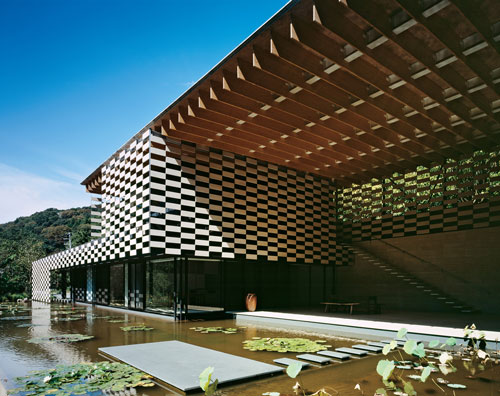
352 90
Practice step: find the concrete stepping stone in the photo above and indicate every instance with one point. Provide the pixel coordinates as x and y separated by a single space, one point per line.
376 344
336 355
352 351
400 343
314 358
368 348
288 362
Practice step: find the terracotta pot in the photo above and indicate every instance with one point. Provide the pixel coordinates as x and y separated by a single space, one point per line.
251 302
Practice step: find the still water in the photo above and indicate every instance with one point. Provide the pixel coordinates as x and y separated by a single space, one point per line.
18 357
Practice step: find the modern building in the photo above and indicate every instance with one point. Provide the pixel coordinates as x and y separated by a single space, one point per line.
347 150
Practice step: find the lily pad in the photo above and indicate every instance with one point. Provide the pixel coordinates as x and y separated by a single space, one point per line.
64 338
29 325
68 319
206 330
83 378
284 345
16 318
138 327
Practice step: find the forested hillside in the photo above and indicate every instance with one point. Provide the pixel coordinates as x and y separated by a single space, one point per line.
27 239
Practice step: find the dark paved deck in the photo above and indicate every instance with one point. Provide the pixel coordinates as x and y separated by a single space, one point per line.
179 364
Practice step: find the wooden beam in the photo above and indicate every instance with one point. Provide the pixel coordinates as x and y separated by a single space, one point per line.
266 80
443 33
472 13
372 15
338 24
343 98
172 128
316 38
328 141
349 144
219 122
298 54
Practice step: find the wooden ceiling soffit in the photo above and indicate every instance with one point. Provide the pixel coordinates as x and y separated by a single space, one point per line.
444 34
316 38
476 18
339 90
182 130
337 22
379 21
361 116
307 129
294 131
360 89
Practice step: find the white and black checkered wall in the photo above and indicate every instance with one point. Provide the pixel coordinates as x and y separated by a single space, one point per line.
124 225
162 196
206 202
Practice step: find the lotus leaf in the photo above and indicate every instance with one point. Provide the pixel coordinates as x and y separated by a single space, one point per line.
425 373
385 368
283 345
65 338
409 390
117 321
206 330
402 332
433 343
29 325
294 369
138 327
82 378
68 319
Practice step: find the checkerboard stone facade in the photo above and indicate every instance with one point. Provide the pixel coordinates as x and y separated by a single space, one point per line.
162 196
458 195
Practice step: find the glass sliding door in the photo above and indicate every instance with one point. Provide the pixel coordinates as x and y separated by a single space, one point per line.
79 283
160 286
116 285
136 285
102 284
204 281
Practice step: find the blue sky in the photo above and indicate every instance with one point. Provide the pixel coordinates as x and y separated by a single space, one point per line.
80 77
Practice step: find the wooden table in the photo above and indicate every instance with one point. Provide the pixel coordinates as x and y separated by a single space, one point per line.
349 305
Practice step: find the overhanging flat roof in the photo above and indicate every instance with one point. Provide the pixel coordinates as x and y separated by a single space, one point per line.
352 90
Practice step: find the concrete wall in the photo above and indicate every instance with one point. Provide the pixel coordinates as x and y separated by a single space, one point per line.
362 279
464 264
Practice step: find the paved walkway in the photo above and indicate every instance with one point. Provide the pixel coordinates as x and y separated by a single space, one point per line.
423 326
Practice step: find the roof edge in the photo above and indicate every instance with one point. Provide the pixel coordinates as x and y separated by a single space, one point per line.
259 30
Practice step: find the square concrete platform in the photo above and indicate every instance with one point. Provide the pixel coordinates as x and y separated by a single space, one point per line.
179 364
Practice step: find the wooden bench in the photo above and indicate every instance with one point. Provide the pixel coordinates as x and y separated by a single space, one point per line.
348 305
368 304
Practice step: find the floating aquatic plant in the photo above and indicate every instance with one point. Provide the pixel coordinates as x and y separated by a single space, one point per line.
83 378
64 338
206 330
16 318
101 317
68 319
29 325
117 321
138 327
284 345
